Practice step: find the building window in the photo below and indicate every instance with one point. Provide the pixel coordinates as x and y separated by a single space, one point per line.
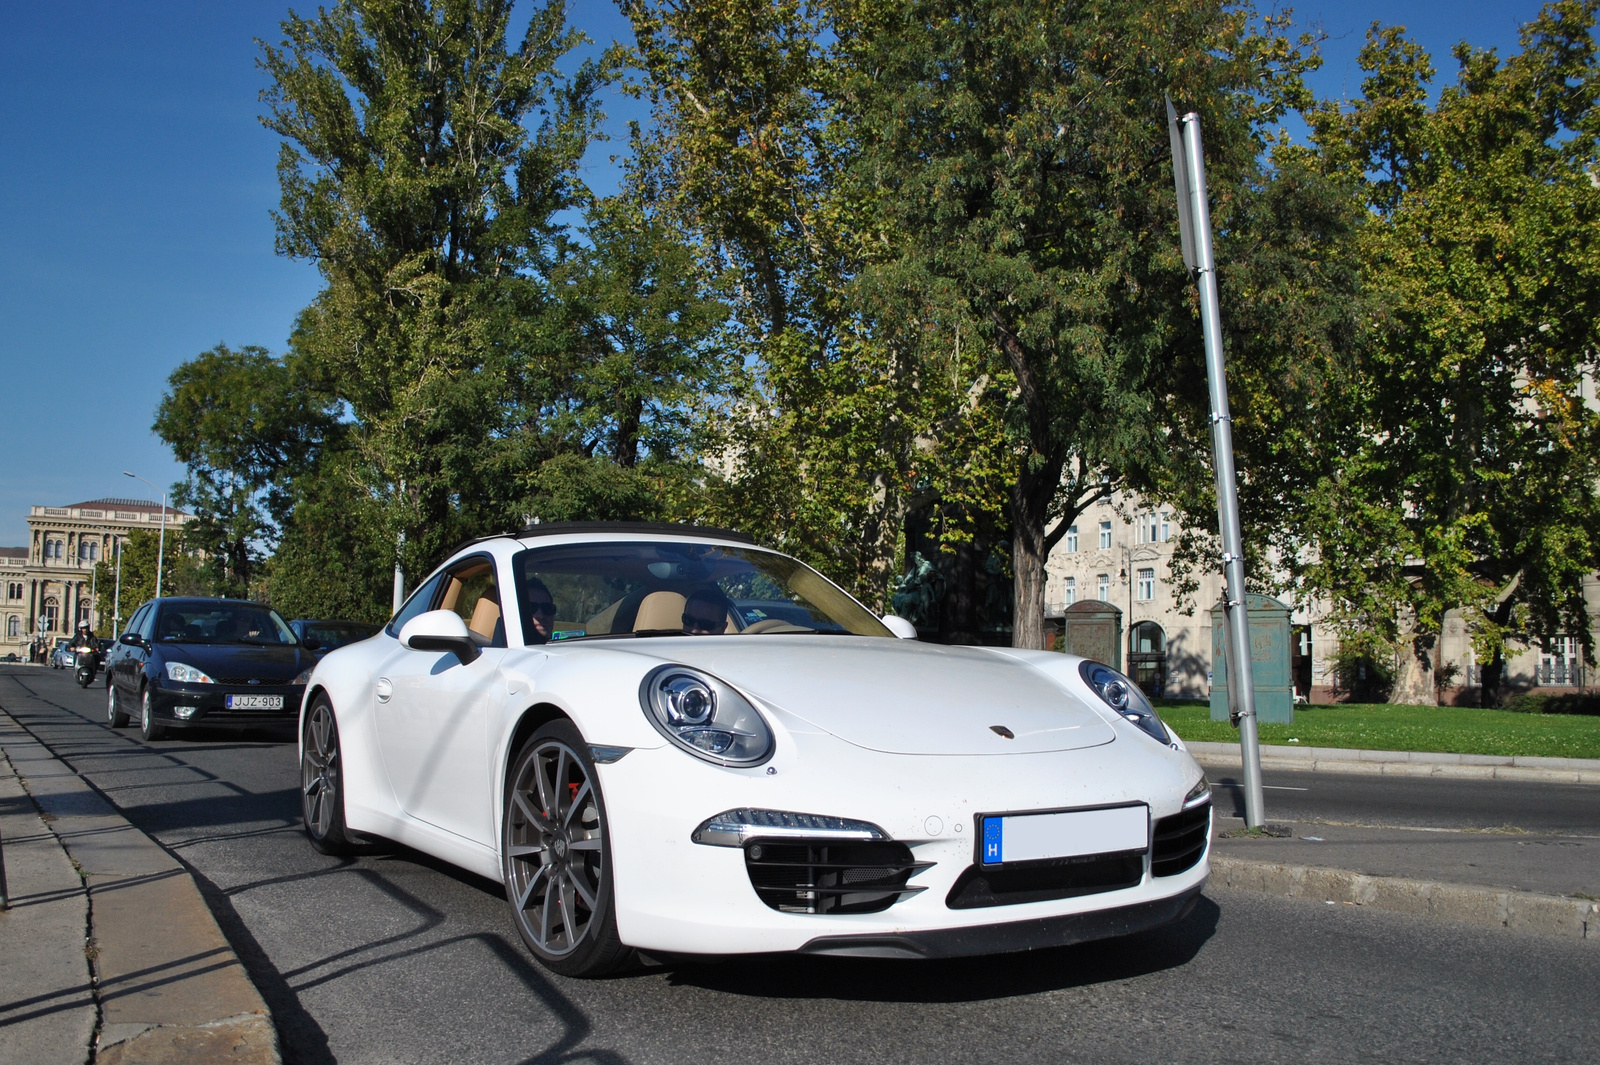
1562 665
88 551
1072 539
1103 586
83 611
1151 529
1105 537
14 590
1072 590
13 627
52 614
1166 526
1147 585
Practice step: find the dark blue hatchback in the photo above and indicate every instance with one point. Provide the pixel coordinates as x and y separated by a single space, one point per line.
187 662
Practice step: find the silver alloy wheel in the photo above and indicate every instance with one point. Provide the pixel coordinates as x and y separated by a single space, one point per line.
319 771
111 705
555 849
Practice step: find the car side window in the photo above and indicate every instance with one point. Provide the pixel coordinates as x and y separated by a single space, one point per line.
470 591
137 619
147 624
421 602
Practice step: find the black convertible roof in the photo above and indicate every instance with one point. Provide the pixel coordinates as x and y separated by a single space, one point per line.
561 528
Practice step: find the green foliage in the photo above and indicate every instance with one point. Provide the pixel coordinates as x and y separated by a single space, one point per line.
1472 466
1584 704
334 559
424 164
245 424
182 573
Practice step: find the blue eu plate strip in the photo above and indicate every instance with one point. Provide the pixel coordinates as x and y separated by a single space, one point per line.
994 849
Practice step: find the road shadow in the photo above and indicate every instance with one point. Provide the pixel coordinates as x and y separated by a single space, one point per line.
959 979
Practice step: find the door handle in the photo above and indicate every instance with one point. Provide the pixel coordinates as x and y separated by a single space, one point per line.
385 689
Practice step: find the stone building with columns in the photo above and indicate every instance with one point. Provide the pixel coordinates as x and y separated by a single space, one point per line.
48 585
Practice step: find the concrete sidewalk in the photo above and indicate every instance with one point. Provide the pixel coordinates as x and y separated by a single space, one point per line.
111 953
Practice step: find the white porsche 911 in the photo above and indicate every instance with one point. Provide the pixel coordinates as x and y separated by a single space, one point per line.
670 740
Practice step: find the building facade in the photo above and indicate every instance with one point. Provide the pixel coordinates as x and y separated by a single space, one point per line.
49 585
1120 552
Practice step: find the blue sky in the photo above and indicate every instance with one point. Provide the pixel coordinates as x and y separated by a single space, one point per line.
135 191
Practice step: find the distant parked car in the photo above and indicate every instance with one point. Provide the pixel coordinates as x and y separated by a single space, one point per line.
60 656
12 657
324 636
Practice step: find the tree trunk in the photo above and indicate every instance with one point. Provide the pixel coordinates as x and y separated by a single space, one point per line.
1030 504
1415 682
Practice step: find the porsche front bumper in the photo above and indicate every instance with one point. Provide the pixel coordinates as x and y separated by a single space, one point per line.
680 897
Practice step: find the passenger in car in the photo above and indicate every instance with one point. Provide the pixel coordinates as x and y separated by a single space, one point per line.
539 618
705 611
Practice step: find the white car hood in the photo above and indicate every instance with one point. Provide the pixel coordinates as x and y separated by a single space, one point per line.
898 696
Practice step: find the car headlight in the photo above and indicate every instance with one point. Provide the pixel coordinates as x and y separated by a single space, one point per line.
186 674
1198 795
304 676
705 717
1124 696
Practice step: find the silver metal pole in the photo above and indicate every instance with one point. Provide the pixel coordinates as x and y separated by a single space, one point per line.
116 598
1241 678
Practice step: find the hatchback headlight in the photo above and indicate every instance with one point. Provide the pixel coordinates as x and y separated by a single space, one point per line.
304 676
705 717
184 673
1124 696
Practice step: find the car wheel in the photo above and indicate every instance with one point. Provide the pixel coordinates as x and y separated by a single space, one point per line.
556 854
321 779
114 715
148 726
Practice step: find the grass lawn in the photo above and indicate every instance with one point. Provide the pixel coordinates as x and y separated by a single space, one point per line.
1381 727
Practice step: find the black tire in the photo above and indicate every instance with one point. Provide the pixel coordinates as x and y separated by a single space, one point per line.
115 717
322 781
149 727
555 852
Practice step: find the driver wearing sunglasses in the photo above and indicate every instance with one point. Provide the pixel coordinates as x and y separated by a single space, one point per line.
540 612
705 611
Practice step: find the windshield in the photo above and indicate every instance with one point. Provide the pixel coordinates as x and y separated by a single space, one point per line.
585 591
222 623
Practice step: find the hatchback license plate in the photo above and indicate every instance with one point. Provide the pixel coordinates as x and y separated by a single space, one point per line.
254 702
1064 834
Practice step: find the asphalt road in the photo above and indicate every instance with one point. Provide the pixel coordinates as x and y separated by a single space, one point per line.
1415 802
392 957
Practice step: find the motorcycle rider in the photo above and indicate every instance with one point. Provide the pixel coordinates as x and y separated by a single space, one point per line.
84 640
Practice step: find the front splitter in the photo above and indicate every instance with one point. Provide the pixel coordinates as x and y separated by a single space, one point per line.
1011 936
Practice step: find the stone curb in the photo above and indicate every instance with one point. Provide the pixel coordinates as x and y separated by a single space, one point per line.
1408 763
1517 910
170 989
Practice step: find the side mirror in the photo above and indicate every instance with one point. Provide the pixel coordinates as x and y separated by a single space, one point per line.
311 643
899 626
440 630
131 639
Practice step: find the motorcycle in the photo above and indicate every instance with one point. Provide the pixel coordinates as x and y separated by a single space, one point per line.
88 664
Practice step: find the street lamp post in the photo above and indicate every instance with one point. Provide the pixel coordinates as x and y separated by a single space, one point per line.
161 548
116 598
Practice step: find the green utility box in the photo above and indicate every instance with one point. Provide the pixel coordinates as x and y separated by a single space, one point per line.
1093 629
1269 656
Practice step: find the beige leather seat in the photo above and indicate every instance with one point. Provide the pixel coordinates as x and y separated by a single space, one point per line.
485 616
659 610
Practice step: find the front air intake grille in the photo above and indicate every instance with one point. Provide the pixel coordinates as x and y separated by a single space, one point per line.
805 876
1180 841
1049 878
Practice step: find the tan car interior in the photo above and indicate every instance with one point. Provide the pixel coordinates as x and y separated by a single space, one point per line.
471 593
656 611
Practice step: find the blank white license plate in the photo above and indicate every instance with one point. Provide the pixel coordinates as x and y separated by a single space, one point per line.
1067 834
254 702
